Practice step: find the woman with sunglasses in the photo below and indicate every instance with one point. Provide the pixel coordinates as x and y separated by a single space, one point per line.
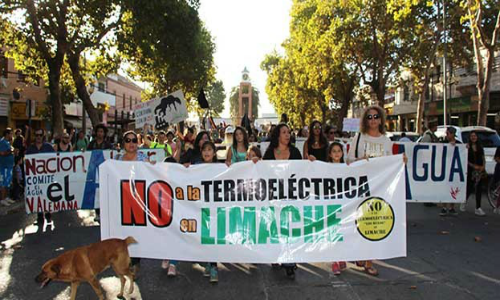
130 145
371 141
316 144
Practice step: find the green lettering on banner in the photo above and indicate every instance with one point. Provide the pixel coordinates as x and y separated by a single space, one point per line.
314 226
206 239
285 224
332 223
268 229
244 227
221 226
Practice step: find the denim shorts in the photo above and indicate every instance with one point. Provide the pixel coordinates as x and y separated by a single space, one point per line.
5 177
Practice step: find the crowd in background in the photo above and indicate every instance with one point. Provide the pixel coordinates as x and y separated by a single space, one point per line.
191 146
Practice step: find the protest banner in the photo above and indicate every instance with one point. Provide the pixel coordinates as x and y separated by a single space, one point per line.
265 212
67 181
435 172
161 111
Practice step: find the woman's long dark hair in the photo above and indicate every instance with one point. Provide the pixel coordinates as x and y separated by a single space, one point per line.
275 135
479 146
199 136
245 138
322 138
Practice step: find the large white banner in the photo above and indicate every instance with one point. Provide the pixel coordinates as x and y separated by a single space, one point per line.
67 181
161 111
435 172
271 211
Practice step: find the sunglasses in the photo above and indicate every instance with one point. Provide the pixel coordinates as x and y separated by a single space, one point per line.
331 132
375 117
316 127
128 140
39 134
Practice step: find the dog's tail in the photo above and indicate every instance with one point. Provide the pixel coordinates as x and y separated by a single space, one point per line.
130 240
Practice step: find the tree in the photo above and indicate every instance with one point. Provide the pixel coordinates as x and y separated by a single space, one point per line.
483 18
215 96
167 45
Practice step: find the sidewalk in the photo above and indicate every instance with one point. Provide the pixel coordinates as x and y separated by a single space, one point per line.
15 207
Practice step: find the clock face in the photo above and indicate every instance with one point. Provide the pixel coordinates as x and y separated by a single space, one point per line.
245 76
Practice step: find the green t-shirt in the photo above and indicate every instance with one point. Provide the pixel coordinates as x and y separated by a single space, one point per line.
166 147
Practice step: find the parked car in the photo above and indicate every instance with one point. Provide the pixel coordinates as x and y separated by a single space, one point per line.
396 135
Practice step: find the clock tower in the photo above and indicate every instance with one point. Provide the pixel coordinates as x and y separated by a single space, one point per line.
245 96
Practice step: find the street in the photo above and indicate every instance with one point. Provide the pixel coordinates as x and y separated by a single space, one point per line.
448 258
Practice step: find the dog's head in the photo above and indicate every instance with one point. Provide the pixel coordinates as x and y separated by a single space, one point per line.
50 270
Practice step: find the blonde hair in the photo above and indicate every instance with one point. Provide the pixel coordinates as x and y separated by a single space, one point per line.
364 121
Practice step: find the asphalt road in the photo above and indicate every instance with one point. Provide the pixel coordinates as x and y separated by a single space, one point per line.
448 258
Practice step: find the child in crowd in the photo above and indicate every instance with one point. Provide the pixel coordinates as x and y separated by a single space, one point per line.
336 155
208 155
254 153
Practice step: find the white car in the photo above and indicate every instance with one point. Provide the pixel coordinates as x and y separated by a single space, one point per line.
395 136
489 139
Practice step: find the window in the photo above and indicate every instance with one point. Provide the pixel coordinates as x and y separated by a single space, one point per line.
101 86
124 99
21 77
4 66
406 91
130 102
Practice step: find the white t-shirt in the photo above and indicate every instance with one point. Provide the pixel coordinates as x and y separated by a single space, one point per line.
369 146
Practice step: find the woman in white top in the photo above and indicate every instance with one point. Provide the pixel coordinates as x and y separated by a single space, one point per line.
370 142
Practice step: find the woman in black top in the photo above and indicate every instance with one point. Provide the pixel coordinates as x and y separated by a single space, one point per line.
281 148
64 144
476 167
193 155
316 145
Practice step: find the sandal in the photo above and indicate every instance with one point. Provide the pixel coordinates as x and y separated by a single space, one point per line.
360 263
371 271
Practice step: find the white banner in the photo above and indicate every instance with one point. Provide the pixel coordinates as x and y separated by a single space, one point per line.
268 212
435 172
67 181
350 124
161 111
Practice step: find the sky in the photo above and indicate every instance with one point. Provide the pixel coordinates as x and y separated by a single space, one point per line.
244 32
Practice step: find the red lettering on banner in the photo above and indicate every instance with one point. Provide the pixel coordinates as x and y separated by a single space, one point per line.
29 201
54 165
160 204
133 202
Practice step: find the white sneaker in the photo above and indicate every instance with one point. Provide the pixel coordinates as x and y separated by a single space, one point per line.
165 264
172 271
10 200
479 212
496 210
463 206
4 202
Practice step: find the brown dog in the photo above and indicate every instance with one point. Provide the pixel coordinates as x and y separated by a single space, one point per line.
84 263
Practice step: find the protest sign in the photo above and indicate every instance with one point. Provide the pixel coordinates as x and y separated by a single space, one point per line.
271 211
161 111
350 125
435 172
67 181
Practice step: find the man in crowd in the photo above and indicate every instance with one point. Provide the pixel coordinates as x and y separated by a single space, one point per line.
40 146
429 136
160 144
6 166
99 143
18 144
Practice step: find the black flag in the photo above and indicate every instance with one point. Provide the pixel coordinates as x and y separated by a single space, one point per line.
202 100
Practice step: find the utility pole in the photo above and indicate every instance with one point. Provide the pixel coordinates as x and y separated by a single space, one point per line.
445 75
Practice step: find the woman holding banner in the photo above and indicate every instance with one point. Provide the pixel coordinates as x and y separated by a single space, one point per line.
370 142
238 151
130 145
476 172
281 148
